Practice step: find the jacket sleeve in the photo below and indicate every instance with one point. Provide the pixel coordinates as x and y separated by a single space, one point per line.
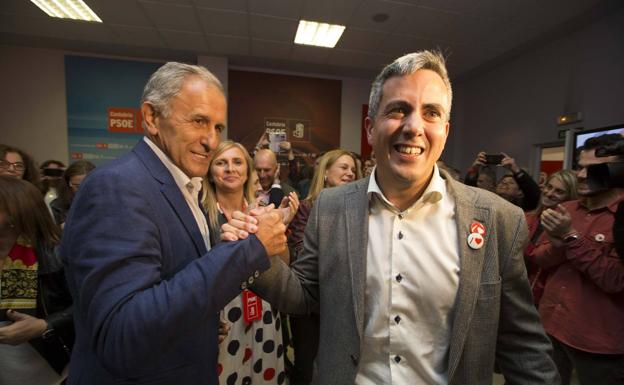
530 189
128 305
598 262
295 290
522 347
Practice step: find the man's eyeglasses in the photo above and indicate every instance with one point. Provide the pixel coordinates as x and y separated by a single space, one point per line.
17 166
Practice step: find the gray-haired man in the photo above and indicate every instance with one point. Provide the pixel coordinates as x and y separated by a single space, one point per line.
418 278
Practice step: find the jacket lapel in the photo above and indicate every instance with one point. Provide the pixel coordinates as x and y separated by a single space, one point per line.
172 193
471 264
356 204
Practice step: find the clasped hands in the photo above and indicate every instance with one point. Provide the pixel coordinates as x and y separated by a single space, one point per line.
557 223
267 223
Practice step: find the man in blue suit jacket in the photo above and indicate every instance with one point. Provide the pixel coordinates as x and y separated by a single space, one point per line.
147 287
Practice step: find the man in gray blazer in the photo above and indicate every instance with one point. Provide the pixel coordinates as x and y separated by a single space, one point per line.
418 279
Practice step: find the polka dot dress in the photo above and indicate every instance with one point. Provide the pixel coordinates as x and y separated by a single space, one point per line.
251 354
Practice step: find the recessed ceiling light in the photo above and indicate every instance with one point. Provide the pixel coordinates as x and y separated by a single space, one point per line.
318 34
67 9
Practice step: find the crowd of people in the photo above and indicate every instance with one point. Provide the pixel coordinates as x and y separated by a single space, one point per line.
193 261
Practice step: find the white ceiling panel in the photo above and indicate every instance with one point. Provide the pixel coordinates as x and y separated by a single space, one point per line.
361 40
224 22
231 5
121 12
273 28
229 45
280 8
271 49
138 36
261 32
172 16
180 40
329 11
363 16
456 6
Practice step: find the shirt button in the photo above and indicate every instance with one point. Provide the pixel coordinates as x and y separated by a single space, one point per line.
400 216
400 235
397 359
244 285
250 280
399 277
256 274
397 319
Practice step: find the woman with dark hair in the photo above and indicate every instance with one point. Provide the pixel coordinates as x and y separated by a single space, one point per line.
18 164
72 178
36 330
335 168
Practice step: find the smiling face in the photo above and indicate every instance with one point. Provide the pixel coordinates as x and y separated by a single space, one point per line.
15 161
341 172
228 170
191 130
409 131
554 193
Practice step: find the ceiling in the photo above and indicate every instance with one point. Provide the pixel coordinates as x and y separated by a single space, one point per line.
473 34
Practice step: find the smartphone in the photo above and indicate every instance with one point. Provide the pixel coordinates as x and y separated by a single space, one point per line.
494 159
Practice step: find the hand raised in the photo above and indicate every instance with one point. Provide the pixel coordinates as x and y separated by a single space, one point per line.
557 222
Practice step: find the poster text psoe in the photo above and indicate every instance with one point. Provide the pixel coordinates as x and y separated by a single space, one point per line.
124 120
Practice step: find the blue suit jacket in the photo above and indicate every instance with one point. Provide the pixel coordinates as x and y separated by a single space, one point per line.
146 292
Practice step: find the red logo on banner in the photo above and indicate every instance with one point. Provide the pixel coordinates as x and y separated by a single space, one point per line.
76 155
124 120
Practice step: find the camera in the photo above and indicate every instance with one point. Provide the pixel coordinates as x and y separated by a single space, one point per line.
610 174
53 172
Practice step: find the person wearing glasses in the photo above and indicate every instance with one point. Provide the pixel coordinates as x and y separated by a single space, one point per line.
18 164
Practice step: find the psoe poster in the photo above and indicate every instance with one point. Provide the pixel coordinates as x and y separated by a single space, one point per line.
103 101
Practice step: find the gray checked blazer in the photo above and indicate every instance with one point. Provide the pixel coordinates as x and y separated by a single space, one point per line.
494 317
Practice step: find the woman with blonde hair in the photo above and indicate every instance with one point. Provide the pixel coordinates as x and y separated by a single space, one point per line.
335 168
559 187
252 352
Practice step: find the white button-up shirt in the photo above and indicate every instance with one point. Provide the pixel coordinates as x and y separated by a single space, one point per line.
190 188
412 277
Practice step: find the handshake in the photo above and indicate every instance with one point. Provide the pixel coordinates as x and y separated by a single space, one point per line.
267 223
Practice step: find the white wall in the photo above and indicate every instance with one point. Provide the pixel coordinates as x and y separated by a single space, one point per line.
33 104
33 112
515 105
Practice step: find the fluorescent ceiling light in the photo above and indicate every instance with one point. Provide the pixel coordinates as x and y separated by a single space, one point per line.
319 34
67 9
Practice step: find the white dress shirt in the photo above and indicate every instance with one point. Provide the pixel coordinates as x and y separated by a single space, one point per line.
412 277
190 188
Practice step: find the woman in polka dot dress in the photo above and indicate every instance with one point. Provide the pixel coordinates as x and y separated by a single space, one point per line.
252 352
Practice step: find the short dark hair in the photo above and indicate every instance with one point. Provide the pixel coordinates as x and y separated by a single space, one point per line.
601 141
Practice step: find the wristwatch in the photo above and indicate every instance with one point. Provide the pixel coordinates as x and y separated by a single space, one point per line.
48 333
570 238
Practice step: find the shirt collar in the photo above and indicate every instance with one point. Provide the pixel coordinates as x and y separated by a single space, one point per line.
192 185
433 193
611 206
